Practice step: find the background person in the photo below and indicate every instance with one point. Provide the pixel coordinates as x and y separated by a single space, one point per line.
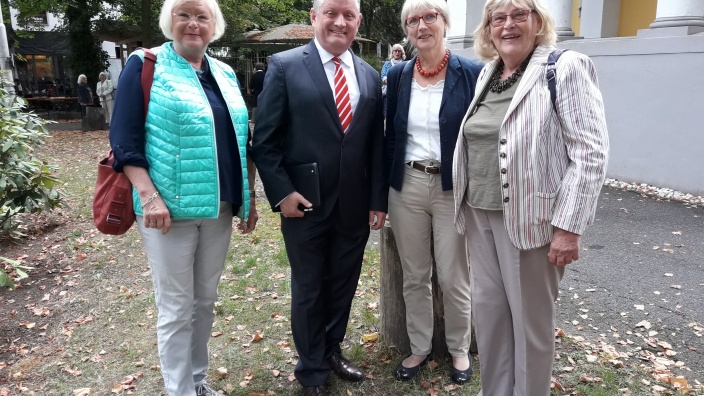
427 98
398 55
298 122
106 93
196 125
256 84
85 95
527 178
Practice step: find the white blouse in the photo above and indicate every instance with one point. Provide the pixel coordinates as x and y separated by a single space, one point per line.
424 122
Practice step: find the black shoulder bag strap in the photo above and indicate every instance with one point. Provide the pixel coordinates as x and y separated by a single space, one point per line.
550 74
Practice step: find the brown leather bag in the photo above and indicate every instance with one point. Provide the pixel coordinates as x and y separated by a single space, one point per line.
113 210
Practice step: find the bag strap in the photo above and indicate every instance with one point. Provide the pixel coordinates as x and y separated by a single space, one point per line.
550 74
147 76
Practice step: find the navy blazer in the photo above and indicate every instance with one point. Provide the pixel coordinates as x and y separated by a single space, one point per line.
460 81
297 122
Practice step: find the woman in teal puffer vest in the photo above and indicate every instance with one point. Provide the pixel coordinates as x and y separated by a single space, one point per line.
191 171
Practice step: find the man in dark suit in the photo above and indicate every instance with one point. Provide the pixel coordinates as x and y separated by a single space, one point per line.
304 117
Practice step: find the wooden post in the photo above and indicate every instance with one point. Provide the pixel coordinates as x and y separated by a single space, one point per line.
392 306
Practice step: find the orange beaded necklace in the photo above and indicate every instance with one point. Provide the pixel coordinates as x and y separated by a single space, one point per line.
431 73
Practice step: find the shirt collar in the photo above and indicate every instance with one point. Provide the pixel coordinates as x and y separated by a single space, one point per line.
326 57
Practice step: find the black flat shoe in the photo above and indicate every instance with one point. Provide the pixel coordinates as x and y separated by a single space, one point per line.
404 373
460 376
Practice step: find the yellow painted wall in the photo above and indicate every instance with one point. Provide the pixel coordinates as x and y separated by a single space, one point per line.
575 17
634 15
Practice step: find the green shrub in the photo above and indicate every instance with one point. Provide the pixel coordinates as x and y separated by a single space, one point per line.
26 183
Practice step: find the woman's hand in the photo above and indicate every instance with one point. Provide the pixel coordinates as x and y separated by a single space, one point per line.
156 214
564 248
248 226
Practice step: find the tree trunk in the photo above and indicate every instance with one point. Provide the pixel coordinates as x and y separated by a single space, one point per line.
147 24
392 306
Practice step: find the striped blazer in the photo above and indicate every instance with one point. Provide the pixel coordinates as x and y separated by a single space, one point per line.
552 164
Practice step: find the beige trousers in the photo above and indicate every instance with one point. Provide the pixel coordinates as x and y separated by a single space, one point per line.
421 214
513 301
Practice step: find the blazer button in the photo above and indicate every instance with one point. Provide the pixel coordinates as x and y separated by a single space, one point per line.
502 141
502 155
506 199
503 170
443 120
505 185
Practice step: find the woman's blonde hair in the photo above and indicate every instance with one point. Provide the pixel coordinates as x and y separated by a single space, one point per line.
482 34
398 47
166 23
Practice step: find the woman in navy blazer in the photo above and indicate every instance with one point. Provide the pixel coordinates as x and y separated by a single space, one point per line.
426 101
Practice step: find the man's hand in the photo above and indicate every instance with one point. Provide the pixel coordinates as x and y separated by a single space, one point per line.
564 248
289 206
376 219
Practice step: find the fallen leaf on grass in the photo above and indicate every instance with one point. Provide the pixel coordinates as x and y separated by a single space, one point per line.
291 377
589 379
247 378
451 387
276 373
216 334
257 337
555 384
432 364
4 391
222 373
370 337
29 325
424 384
73 372
76 392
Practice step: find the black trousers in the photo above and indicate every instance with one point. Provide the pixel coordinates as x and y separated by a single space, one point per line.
326 260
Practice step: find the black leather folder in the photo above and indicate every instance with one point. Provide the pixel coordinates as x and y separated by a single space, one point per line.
305 179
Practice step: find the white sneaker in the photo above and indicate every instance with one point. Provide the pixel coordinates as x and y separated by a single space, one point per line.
206 390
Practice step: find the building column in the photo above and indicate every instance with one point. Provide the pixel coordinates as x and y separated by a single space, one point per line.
600 18
465 17
561 11
676 18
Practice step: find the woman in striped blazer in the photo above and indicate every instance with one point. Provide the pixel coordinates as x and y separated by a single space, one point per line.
527 176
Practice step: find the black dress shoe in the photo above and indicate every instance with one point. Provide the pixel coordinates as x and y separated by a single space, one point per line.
344 369
404 373
315 391
460 376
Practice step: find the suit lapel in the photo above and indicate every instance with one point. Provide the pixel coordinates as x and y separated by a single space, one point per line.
361 74
311 58
534 72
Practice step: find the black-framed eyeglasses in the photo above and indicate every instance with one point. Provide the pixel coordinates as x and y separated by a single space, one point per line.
186 17
499 20
428 18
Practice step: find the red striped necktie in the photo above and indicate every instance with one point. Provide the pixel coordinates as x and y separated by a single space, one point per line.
342 96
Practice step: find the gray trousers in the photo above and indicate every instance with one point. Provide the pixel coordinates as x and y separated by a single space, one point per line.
419 212
186 266
513 301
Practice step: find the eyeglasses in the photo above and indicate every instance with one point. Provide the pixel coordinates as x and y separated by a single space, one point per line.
186 17
518 16
397 51
427 18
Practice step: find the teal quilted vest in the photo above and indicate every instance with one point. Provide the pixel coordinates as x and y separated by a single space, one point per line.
180 136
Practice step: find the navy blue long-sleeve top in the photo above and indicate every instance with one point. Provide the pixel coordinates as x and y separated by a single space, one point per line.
127 133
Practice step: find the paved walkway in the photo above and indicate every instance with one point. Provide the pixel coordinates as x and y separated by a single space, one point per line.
640 281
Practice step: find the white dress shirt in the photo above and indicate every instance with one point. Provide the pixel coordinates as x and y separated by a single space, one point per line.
347 63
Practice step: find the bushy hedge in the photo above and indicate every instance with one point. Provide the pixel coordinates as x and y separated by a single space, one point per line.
26 182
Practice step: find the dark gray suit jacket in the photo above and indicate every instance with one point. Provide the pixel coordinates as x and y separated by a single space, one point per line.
297 122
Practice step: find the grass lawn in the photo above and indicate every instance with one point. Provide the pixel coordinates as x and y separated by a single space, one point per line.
84 322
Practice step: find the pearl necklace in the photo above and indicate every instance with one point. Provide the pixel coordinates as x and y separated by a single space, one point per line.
431 73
